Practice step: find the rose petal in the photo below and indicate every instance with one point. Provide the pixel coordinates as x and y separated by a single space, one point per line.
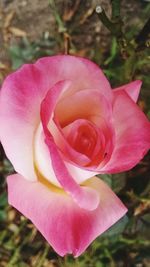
132 134
85 197
43 161
67 227
82 72
19 114
97 142
67 150
22 93
85 104
132 89
44 165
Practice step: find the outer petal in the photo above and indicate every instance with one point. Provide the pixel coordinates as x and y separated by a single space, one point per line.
67 227
132 89
132 134
19 114
84 73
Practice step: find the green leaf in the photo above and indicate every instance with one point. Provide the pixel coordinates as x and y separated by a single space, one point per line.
118 182
115 181
107 178
117 228
3 215
3 199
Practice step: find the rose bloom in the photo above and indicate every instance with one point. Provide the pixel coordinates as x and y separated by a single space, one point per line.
62 124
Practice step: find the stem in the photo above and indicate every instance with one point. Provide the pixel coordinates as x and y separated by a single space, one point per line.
115 9
114 27
62 29
14 258
127 241
43 256
109 256
103 18
16 251
143 38
129 67
2 236
60 23
66 43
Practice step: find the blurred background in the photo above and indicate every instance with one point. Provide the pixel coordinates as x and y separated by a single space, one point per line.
30 29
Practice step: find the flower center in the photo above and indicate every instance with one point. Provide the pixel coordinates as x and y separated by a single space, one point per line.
42 159
83 139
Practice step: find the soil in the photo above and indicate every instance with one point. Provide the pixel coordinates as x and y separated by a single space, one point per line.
36 18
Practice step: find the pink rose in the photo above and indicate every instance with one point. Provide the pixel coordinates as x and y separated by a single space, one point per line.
61 124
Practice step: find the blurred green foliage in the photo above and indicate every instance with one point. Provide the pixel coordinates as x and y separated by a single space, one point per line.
26 51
